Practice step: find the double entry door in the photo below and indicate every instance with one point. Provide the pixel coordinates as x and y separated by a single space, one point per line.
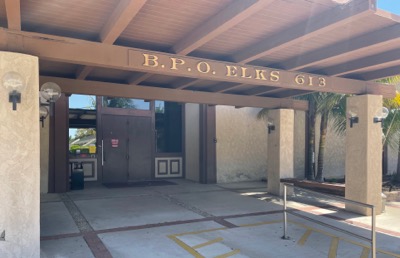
127 148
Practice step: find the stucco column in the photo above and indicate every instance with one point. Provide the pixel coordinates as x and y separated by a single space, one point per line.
19 161
364 153
280 149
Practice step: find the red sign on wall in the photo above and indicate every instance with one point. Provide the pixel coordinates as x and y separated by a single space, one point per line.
114 143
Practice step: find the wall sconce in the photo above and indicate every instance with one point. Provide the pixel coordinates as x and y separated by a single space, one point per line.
44 112
15 84
50 92
270 125
353 118
381 118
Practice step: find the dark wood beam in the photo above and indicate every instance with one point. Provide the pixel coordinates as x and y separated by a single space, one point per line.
389 58
269 92
381 37
138 78
380 74
61 49
13 12
227 18
326 21
289 93
236 86
116 24
72 86
185 83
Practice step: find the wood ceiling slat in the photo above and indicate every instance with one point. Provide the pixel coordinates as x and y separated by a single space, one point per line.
78 16
169 21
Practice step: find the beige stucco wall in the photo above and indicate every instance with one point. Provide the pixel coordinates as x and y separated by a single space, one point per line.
335 153
19 161
241 146
44 156
192 141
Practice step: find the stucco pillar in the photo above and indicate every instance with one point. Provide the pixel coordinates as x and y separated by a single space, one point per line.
20 161
280 149
364 153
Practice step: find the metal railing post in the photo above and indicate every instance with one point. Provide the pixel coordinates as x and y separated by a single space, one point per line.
284 214
373 235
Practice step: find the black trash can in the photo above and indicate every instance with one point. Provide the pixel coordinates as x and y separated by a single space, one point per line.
77 177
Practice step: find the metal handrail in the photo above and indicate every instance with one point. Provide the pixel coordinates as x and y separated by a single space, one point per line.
372 239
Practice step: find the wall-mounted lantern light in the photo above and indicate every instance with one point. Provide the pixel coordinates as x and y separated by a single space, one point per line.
270 125
14 84
44 112
380 118
50 92
353 118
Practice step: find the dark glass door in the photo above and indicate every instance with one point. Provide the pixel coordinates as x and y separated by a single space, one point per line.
127 153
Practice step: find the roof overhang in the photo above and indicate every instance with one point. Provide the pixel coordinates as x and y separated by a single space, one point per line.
240 53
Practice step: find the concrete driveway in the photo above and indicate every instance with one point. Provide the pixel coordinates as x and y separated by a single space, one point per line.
195 220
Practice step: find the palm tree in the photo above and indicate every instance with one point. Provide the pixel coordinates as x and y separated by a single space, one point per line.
325 105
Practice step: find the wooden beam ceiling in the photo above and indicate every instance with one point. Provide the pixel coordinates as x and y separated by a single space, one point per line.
73 86
116 24
219 23
13 11
381 37
311 27
81 52
379 74
230 16
389 58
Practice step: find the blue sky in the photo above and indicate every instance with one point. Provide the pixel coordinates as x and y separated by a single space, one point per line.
392 6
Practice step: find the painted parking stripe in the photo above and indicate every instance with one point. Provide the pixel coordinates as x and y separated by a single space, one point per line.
304 238
219 239
186 247
334 247
365 253
236 251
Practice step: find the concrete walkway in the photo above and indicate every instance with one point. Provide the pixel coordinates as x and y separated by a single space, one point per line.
195 220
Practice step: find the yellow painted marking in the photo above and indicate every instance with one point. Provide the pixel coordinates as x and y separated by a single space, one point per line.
199 232
196 254
304 238
365 253
219 239
236 251
186 247
333 248
261 223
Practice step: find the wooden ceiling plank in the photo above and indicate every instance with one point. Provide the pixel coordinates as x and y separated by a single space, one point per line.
136 79
381 37
232 87
66 50
185 83
219 23
290 93
270 91
380 74
116 24
309 28
381 59
184 96
83 72
119 20
13 11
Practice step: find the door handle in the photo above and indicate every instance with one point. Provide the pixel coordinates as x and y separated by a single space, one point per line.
102 153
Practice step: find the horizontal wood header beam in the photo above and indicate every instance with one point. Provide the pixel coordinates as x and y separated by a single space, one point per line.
130 59
72 86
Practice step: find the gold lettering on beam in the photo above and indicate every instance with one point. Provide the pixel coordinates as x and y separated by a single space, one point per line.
244 70
175 62
224 71
150 58
274 76
231 70
202 65
260 75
